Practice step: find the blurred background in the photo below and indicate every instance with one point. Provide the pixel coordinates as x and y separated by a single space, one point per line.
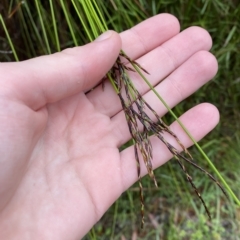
172 211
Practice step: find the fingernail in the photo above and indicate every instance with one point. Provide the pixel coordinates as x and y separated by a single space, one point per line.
104 36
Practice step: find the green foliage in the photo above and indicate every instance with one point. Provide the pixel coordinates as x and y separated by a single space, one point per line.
172 211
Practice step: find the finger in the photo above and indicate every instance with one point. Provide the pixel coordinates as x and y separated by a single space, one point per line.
149 34
180 84
51 78
200 120
160 63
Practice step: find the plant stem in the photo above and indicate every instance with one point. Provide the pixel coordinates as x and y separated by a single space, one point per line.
9 39
54 26
43 27
69 23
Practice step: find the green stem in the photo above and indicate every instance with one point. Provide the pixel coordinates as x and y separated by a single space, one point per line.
95 16
54 26
33 25
105 28
26 35
90 19
43 27
114 219
112 82
69 23
82 21
9 39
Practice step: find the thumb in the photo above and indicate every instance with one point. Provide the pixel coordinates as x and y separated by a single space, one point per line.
48 79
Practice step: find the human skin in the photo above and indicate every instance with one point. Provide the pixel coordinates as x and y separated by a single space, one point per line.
60 164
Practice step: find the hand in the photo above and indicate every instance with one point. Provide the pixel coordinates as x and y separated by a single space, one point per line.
60 164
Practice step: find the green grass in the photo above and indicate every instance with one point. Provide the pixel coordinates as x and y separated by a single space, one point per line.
176 210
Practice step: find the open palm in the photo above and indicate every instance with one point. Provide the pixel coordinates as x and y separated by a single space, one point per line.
60 164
